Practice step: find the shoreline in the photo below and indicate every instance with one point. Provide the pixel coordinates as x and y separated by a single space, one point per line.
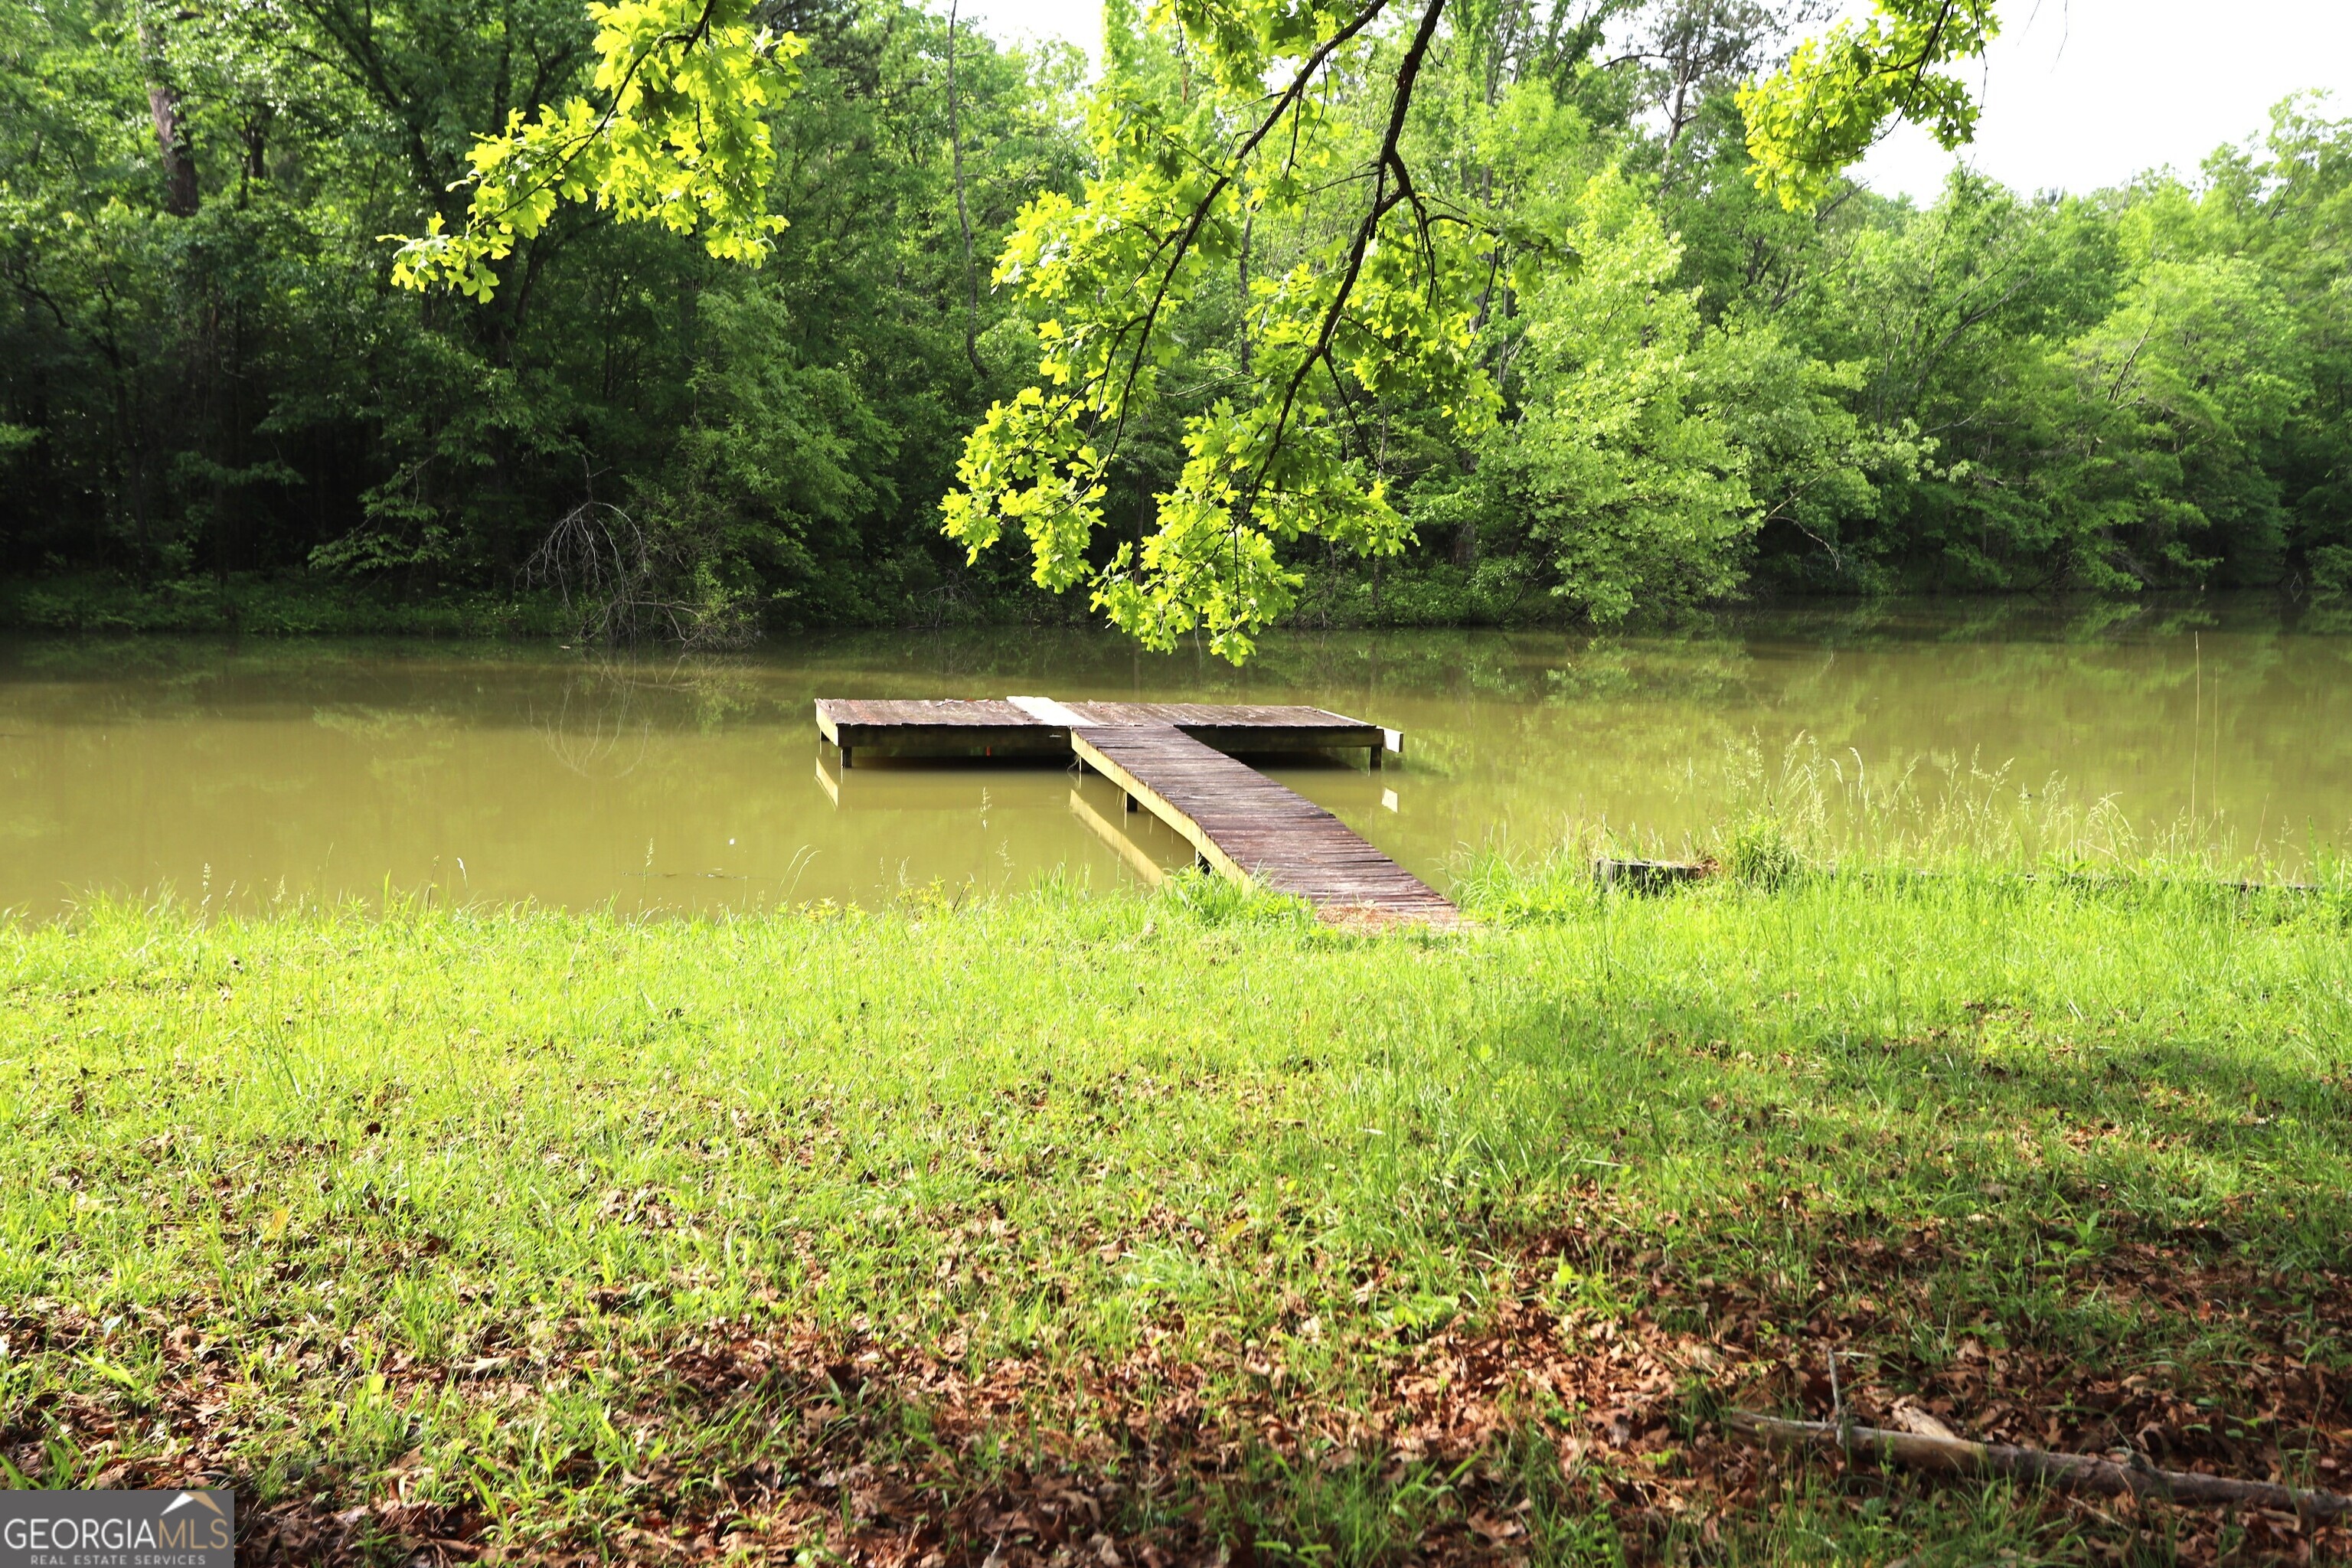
295 607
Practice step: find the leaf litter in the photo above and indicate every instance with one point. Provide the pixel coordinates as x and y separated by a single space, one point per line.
770 1439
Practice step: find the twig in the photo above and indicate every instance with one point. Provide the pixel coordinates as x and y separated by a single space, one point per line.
2066 1472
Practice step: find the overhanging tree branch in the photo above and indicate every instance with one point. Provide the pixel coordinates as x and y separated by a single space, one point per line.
1274 461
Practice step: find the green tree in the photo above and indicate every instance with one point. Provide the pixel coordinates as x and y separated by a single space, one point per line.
1636 494
679 138
234 388
2289 206
2175 396
1839 91
1374 299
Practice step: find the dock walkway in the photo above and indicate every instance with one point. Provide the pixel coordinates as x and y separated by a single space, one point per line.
1176 761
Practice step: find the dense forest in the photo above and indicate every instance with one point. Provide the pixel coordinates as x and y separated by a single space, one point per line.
1693 389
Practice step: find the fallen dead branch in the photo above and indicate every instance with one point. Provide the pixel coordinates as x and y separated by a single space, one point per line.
2067 1472
621 583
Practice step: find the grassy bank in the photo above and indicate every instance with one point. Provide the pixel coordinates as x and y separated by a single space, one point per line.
318 604
287 605
1091 1229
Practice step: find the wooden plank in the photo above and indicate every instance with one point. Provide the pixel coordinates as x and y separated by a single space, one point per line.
1253 829
833 712
1039 726
1046 710
1240 715
1243 727
941 729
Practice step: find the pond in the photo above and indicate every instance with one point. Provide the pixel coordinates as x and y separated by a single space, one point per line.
228 774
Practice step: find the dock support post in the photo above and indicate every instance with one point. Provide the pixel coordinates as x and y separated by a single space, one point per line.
845 759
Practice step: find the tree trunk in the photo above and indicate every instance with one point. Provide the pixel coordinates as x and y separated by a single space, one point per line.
963 214
179 195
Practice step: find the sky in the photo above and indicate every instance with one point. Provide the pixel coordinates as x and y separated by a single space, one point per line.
1079 21
2077 94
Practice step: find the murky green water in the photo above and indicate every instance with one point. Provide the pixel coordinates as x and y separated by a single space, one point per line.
244 771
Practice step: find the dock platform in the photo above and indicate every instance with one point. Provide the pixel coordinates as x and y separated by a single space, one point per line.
1179 762
951 729
898 728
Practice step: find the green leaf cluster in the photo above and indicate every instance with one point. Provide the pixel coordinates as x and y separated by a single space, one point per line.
1836 95
1364 294
680 138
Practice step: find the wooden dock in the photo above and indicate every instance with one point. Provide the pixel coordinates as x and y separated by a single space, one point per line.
1179 762
1014 727
902 729
1254 830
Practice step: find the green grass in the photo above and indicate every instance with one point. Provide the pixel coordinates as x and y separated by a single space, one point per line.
1154 1230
